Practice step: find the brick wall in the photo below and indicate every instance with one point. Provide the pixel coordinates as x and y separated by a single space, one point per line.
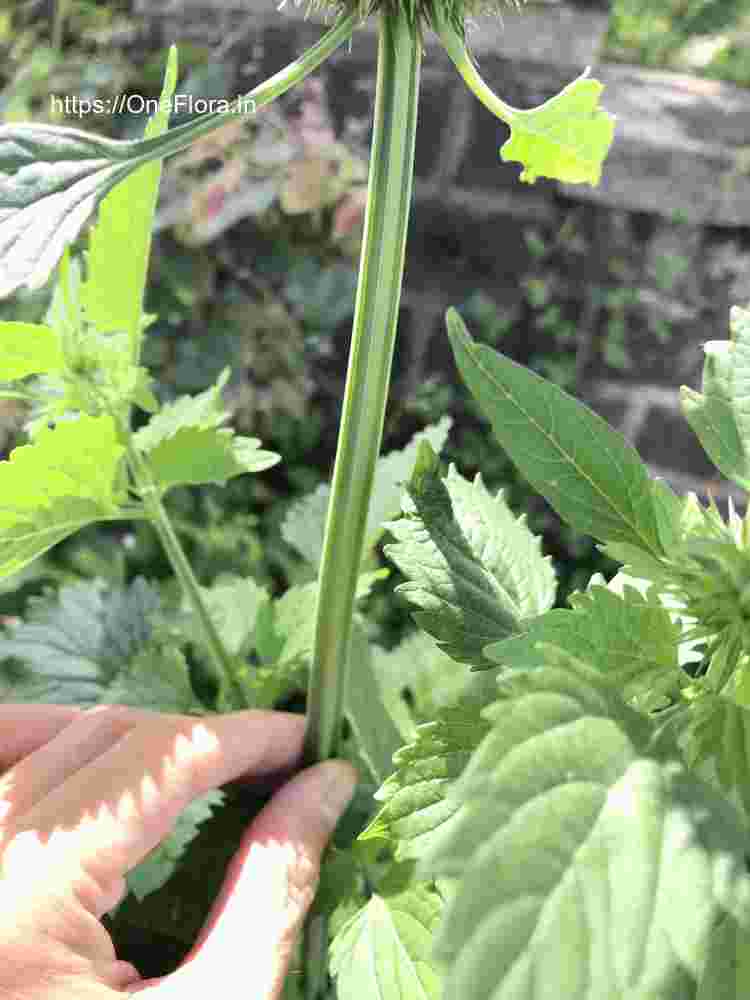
671 218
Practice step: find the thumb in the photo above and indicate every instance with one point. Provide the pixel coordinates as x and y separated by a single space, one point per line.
250 933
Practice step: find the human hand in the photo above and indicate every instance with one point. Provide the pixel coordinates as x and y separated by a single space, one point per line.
86 794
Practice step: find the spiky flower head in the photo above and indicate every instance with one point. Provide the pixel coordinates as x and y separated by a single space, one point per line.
421 14
714 580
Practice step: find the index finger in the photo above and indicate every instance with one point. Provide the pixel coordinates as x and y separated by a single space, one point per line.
108 815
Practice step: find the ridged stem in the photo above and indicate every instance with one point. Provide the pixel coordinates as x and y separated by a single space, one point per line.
365 396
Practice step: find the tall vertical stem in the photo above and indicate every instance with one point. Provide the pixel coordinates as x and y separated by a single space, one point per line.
371 354
370 359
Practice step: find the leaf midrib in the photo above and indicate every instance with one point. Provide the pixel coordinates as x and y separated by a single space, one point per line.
472 351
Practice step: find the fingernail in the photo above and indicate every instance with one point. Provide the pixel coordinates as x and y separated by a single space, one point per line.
340 785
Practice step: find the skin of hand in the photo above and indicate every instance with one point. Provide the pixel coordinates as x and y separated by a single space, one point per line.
85 794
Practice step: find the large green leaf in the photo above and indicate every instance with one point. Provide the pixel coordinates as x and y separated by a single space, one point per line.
587 471
383 951
720 416
417 804
592 863
304 525
631 640
49 489
474 572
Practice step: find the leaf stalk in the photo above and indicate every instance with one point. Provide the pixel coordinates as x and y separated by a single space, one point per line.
179 138
157 514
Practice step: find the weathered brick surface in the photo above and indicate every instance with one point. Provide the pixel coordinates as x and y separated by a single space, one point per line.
676 186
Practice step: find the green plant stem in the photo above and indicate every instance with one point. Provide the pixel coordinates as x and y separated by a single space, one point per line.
365 397
177 139
158 516
459 54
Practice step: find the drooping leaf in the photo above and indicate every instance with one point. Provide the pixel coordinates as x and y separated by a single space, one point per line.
592 863
417 805
49 489
113 293
384 951
719 416
626 637
474 572
27 349
51 180
73 645
567 138
591 476
304 524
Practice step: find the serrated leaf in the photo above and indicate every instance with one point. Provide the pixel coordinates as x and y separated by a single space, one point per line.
159 865
474 572
720 416
626 637
73 644
417 806
185 443
567 138
195 456
48 490
384 951
28 349
419 670
590 866
203 411
714 733
591 476
304 524
113 293
157 679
